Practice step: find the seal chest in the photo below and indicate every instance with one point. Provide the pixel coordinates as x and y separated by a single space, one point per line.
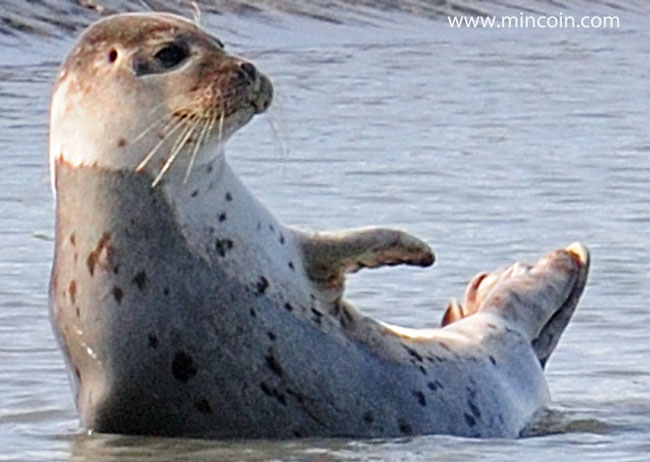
183 308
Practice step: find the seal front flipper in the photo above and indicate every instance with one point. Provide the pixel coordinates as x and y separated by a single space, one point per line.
329 255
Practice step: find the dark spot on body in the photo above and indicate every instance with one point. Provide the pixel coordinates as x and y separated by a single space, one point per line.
273 364
291 267
414 354
266 389
203 406
435 385
72 290
297 433
262 285
166 291
368 417
299 397
183 367
121 143
228 197
116 269
222 217
210 168
318 316
195 193
140 279
73 239
222 246
271 227
420 397
253 313
78 312
491 326
404 427
445 346
153 341
492 360
282 239
471 421
270 391
288 307
77 373
271 336
423 370
476 412
118 294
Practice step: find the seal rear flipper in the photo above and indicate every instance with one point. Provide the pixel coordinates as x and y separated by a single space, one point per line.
329 255
535 301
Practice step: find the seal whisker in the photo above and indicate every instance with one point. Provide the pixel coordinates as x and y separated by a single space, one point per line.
220 129
180 143
183 121
203 135
144 132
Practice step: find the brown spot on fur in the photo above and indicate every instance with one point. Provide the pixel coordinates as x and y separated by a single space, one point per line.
121 143
93 257
72 290
73 239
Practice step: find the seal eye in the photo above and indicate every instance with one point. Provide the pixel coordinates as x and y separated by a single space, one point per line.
171 55
112 55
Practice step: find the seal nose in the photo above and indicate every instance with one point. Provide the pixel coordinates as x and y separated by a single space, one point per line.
247 72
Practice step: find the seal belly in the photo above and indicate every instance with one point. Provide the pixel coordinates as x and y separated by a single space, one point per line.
163 342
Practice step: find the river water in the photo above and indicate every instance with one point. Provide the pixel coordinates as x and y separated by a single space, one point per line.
491 145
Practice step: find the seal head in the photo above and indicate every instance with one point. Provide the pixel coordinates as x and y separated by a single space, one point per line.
159 85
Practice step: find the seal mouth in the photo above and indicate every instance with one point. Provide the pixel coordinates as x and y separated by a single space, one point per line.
263 97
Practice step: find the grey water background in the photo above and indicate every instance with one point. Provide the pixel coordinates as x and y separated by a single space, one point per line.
492 145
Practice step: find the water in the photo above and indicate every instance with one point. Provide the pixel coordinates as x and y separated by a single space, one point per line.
492 145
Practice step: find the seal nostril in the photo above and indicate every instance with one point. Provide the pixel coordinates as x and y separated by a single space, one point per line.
248 70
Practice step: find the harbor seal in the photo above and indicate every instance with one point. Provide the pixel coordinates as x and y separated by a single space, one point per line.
184 308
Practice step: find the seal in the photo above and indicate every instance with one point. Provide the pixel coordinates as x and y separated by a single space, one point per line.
184 308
